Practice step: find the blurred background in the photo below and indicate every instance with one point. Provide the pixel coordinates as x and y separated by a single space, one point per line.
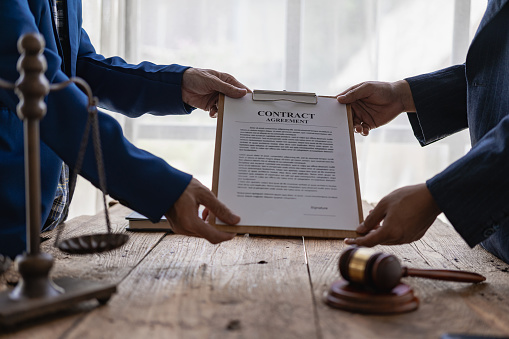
320 46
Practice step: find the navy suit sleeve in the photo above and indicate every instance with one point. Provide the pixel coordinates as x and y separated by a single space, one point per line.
441 102
131 89
471 191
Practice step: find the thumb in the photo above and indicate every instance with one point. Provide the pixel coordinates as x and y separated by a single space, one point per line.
373 220
219 209
371 239
229 89
235 92
353 94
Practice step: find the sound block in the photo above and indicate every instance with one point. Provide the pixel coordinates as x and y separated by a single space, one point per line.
352 298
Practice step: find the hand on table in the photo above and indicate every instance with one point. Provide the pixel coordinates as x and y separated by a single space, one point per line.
407 213
201 88
184 219
376 103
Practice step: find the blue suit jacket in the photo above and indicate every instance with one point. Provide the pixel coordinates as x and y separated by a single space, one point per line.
137 178
473 192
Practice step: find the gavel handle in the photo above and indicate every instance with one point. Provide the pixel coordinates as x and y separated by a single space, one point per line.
460 276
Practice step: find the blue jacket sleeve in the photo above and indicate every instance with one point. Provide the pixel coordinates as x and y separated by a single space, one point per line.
131 89
137 178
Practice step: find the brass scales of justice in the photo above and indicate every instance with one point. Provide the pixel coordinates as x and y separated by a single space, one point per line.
36 294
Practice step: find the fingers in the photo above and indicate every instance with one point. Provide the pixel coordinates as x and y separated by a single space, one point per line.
209 232
355 93
205 214
361 109
362 128
363 117
365 129
231 80
373 238
407 213
184 219
219 209
359 126
356 123
214 206
213 110
373 220
231 90
349 89
230 86
354 96
201 88
196 227
213 113
370 228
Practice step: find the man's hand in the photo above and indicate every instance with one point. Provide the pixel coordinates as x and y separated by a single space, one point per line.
184 219
407 213
201 88
376 103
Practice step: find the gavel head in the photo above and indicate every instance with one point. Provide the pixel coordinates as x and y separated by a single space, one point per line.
368 268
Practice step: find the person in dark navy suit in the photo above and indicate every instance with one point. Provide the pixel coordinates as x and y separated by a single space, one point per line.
473 192
136 178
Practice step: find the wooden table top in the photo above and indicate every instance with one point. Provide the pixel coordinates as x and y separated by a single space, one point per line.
172 286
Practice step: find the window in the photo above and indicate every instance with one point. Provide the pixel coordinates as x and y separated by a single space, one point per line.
321 46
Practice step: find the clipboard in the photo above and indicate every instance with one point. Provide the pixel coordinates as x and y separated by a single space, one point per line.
306 102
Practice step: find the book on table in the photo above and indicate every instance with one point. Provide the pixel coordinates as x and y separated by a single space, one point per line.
285 162
139 222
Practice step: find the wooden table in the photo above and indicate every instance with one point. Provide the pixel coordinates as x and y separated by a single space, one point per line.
172 286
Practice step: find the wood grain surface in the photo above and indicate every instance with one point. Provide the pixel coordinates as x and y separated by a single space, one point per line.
172 286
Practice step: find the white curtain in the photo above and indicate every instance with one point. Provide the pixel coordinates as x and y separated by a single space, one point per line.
321 46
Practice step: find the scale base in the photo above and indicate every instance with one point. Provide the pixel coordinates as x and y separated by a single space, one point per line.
351 298
13 312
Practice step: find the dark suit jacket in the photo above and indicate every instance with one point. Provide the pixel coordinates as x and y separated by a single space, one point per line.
140 180
473 192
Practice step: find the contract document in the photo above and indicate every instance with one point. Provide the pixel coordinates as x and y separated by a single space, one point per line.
287 166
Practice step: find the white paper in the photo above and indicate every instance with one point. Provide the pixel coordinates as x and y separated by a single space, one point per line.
286 164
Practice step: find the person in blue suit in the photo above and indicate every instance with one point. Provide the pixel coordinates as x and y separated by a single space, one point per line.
136 178
473 192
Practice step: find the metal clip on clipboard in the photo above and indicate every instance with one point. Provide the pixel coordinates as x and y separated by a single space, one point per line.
299 97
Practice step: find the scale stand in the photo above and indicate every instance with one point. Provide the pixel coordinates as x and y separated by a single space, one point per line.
36 294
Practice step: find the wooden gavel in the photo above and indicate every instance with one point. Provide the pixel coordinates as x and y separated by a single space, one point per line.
382 272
